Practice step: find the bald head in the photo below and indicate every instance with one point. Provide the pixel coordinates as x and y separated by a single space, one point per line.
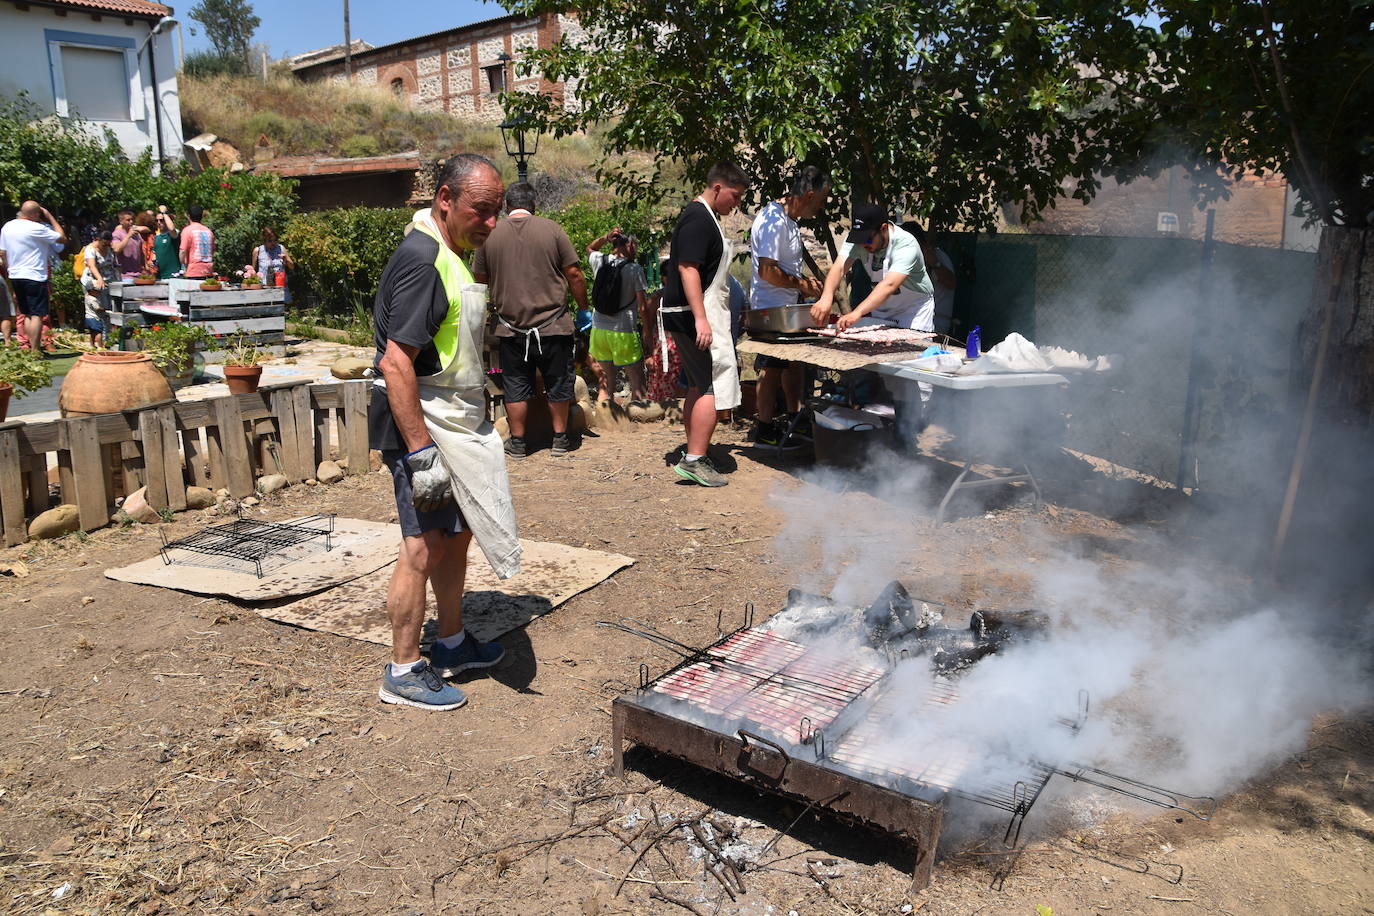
31 210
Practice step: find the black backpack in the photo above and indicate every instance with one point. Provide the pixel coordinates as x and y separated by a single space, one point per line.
606 295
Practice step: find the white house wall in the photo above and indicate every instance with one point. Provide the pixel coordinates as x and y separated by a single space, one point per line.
25 66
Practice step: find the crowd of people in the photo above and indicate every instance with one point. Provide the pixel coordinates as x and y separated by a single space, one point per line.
432 312
461 273
133 244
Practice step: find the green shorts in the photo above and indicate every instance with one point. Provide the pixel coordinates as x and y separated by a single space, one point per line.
619 347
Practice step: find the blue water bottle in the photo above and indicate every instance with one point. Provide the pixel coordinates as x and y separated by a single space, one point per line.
973 347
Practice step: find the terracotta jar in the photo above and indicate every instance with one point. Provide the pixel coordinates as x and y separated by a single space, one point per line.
242 379
108 381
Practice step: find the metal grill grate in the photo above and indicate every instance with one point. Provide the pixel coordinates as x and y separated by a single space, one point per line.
778 685
245 541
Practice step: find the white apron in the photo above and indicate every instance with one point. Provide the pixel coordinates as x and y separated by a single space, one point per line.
724 362
455 410
906 308
716 299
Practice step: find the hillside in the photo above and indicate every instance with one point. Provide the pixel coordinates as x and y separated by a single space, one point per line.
323 119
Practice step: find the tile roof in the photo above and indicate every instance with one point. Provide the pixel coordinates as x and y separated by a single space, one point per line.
304 166
141 8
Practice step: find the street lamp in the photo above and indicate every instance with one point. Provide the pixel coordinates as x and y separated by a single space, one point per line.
162 25
514 132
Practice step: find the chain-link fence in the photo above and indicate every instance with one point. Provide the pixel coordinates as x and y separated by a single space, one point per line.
1149 301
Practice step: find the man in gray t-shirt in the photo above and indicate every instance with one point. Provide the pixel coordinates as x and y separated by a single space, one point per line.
530 265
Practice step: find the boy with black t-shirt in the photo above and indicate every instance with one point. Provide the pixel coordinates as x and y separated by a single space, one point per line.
695 311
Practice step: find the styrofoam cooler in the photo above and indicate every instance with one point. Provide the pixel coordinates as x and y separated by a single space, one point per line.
843 436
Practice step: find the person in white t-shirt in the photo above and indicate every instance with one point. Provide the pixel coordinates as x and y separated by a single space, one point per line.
98 271
776 247
28 243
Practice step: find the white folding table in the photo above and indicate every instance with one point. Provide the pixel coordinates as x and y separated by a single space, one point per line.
906 372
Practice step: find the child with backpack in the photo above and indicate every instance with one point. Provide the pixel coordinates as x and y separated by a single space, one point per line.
618 287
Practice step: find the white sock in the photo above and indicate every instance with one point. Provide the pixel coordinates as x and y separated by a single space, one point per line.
454 641
691 457
404 669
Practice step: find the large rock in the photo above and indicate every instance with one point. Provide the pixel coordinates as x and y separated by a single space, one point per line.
539 424
199 498
55 522
271 483
350 367
329 472
136 507
645 411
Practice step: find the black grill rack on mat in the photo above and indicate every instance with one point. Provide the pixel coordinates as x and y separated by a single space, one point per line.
246 540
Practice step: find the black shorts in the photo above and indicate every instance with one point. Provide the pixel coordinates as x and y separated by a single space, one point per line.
762 362
551 356
696 362
31 297
414 522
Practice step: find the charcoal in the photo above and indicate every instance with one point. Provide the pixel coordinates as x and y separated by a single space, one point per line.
893 612
999 626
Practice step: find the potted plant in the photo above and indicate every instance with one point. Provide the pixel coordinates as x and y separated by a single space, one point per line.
145 279
250 277
243 363
172 347
213 284
22 371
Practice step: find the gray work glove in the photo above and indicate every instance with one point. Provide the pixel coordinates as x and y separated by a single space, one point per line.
430 486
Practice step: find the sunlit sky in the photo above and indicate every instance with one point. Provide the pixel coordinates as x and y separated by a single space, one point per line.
293 26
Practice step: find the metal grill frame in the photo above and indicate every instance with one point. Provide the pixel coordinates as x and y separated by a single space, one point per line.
251 541
766 765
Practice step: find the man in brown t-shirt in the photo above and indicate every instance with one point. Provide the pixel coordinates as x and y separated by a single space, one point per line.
530 265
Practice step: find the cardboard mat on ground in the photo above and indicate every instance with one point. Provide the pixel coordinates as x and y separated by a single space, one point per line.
346 584
549 575
356 548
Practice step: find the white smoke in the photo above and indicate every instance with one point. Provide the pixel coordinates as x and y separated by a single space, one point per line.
1193 685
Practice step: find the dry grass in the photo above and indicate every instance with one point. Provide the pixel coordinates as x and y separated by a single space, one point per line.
302 119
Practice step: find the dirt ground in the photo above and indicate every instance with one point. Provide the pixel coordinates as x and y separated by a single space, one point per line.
167 753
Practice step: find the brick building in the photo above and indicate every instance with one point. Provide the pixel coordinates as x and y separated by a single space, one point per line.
1258 212
460 70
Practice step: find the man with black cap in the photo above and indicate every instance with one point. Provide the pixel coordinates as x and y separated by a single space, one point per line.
903 297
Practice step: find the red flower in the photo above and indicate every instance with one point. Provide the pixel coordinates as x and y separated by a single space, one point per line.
157 327
225 184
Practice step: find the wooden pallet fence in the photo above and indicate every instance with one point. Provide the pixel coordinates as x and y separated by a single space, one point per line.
259 314
218 443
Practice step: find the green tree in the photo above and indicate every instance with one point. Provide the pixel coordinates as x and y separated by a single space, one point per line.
1271 85
946 109
953 108
229 24
66 165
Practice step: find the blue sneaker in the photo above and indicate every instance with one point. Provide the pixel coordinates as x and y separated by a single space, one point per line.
421 688
468 655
